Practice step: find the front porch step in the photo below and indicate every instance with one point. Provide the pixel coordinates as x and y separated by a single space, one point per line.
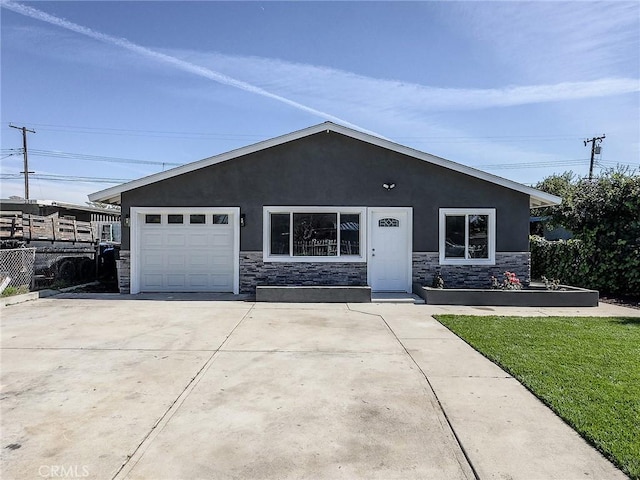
396 297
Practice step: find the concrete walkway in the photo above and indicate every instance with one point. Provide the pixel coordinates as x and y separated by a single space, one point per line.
123 387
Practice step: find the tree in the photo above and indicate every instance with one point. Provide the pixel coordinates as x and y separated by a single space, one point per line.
604 215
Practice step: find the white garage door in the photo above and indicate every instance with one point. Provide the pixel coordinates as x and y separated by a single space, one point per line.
186 251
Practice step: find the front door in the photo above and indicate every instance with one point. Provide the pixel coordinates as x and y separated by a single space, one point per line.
389 259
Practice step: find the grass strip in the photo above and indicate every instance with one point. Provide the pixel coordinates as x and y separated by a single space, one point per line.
586 369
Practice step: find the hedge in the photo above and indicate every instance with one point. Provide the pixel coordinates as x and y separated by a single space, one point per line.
614 269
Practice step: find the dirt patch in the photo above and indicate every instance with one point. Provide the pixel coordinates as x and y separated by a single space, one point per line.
631 302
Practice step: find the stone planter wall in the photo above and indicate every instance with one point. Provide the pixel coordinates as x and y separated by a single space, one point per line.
425 265
535 297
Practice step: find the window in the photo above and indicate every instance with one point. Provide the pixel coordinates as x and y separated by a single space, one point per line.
467 236
221 219
174 219
280 233
349 234
317 233
388 222
152 218
197 219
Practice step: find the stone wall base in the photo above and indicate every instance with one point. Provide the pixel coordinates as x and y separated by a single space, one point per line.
426 264
253 272
123 267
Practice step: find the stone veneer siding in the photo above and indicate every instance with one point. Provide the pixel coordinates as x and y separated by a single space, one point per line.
123 268
253 271
425 265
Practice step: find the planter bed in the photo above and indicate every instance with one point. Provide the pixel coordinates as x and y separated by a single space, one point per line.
313 294
533 296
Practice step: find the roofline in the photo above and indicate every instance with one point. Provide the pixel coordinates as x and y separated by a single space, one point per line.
537 198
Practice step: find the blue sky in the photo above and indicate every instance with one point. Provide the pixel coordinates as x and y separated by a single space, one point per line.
512 88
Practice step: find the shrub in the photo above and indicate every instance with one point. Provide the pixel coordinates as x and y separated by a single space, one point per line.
604 215
586 264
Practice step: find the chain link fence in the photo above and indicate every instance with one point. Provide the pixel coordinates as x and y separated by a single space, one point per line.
16 267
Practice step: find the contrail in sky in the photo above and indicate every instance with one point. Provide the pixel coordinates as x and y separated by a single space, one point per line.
169 60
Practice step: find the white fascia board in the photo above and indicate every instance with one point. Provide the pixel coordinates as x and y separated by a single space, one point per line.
537 197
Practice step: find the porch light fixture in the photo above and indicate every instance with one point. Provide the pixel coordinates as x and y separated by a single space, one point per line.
388 186
126 220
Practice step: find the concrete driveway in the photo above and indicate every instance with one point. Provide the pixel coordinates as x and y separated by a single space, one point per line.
115 387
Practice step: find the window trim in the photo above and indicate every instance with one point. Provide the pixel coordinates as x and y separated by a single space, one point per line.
491 232
266 234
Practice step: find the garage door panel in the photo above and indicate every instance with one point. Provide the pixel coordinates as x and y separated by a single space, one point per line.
198 240
150 260
152 239
198 259
220 260
176 280
186 257
176 260
220 280
152 280
199 280
176 239
222 239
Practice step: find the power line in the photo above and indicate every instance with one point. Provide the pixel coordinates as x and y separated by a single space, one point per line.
66 178
541 164
146 133
97 158
472 140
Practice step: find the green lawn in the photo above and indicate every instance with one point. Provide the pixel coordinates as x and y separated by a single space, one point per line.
586 369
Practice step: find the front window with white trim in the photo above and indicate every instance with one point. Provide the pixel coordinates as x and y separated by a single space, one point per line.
467 236
324 234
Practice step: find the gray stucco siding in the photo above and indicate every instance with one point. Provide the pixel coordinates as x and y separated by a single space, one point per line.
329 169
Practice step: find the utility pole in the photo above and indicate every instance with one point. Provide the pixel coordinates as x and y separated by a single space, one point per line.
595 148
26 160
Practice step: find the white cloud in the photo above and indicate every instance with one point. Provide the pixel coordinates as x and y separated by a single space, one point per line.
330 86
547 41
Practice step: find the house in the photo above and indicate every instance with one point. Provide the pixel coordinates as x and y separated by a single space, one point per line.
45 208
326 205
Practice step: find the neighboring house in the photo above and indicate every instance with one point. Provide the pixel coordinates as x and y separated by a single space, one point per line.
83 213
542 227
326 205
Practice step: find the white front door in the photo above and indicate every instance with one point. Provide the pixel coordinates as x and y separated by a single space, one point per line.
389 259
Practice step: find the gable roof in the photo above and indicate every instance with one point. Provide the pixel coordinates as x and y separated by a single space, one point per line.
537 198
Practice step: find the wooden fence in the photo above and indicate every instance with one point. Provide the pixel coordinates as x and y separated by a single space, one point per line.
27 227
